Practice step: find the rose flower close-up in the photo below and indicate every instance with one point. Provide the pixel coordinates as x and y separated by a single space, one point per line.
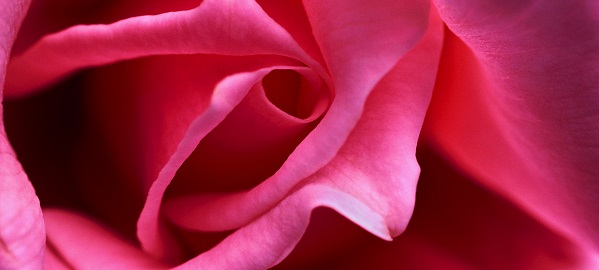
299 134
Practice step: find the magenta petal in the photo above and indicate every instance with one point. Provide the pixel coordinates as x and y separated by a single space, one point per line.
214 27
521 113
84 244
22 236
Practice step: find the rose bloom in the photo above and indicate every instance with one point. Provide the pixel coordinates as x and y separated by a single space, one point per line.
293 134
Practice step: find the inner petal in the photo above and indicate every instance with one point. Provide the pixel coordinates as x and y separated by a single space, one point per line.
292 93
256 137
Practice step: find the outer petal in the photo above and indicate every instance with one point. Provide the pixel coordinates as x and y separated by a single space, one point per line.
521 113
21 224
214 27
84 244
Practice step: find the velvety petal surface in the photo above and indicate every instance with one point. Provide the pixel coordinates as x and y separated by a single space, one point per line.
81 243
21 224
517 106
378 197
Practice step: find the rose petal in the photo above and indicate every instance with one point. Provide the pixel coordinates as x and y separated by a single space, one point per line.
325 140
84 244
521 113
217 27
21 225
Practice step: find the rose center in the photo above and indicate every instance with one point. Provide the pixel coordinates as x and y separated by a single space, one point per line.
291 92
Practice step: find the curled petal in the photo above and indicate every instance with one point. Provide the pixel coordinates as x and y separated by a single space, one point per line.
214 27
457 224
266 241
377 164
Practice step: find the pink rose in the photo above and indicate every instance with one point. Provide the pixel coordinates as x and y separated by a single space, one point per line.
248 135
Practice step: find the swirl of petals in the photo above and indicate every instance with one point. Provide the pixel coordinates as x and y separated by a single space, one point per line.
378 197
320 146
356 66
360 43
22 236
217 27
517 106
